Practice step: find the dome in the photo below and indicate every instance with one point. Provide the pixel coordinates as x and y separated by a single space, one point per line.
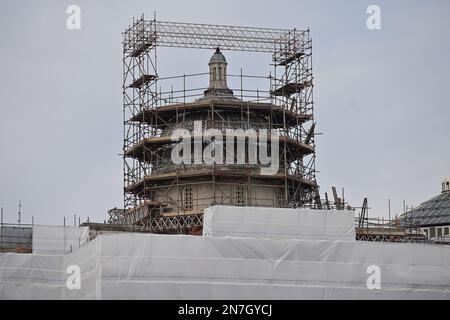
217 57
226 120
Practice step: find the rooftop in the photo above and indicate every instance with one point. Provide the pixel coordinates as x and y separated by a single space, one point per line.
435 211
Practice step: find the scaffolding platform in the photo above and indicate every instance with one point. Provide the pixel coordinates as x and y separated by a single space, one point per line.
297 149
144 79
163 115
291 88
291 58
160 178
143 47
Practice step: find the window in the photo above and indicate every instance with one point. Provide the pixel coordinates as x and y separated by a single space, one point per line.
446 231
213 75
241 195
432 232
220 73
439 232
188 198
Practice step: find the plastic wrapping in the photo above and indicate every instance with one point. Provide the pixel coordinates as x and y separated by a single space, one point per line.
279 223
149 266
240 268
31 276
57 239
142 266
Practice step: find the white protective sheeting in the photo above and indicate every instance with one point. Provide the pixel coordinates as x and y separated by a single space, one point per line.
279 223
57 239
30 276
88 259
184 267
146 266
39 276
143 266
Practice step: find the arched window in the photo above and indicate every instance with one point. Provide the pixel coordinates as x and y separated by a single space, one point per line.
445 186
241 195
188 198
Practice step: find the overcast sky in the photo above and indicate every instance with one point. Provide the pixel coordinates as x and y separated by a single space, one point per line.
382 97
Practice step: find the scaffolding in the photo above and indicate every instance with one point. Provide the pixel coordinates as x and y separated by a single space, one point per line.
152 103
16 238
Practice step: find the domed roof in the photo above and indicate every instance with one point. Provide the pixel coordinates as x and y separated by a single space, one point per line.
435 211
217 57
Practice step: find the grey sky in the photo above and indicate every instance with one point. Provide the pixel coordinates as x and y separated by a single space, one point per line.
381 97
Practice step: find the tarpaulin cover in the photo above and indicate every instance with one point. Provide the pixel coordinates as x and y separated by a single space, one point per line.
146 266
279 223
